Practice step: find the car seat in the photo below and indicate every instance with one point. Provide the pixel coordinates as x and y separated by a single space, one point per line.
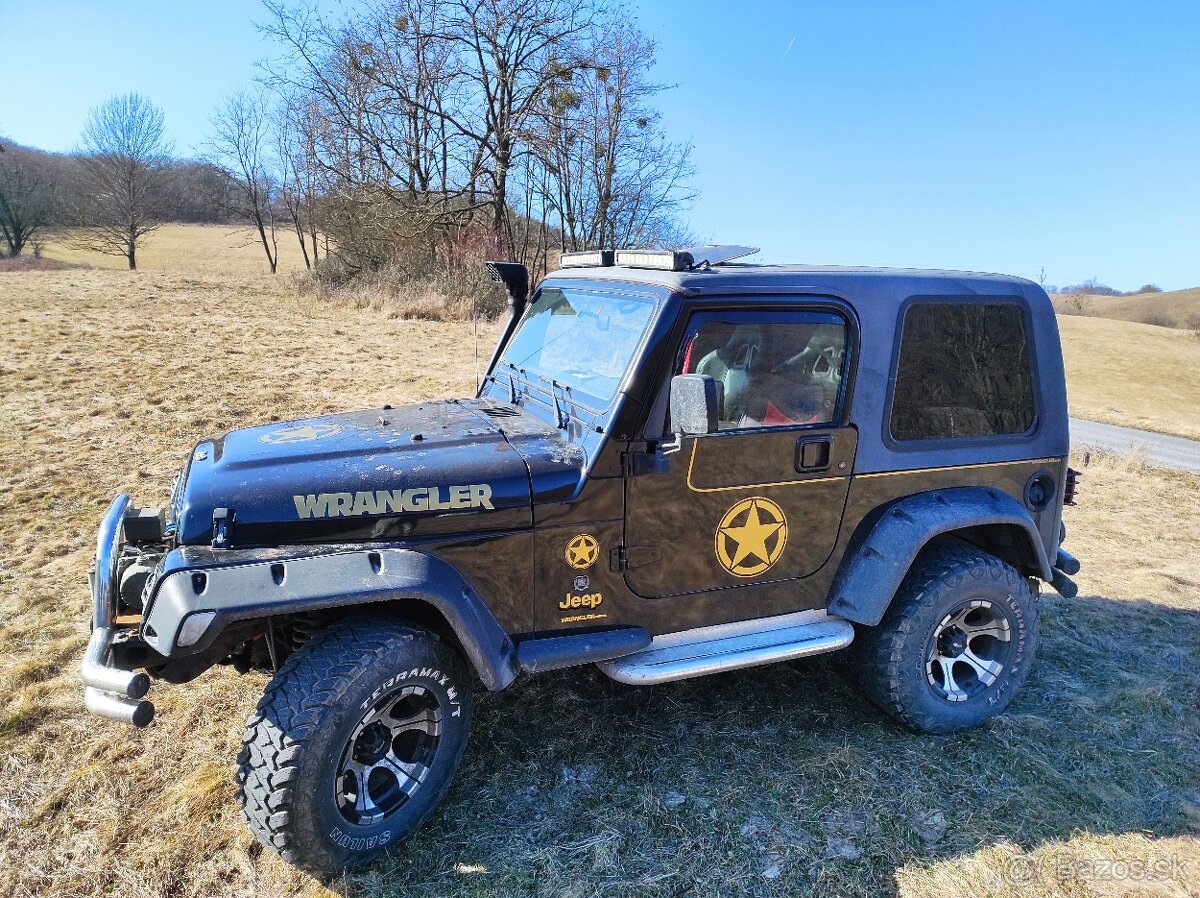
732 365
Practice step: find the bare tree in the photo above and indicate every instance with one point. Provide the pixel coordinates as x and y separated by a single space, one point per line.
435 128
241 148
27 197
616 179
429 100
379 93
126 168
517 53
296 129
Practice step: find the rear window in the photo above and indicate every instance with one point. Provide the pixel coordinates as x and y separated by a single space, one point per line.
964 371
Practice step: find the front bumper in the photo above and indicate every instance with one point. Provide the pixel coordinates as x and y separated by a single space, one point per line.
111 691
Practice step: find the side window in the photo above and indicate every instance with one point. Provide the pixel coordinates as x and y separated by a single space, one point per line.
963 371
776 368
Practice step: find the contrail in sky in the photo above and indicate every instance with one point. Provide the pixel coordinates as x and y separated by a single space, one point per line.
789 46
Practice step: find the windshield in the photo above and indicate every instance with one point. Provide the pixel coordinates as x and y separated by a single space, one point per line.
583 341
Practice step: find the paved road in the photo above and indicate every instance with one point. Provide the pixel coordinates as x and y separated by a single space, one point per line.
1156 448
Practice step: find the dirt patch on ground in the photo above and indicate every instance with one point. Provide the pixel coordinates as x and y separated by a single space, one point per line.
9 264
765 782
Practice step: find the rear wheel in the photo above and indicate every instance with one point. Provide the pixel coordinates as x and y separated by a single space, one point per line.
354 743
956 643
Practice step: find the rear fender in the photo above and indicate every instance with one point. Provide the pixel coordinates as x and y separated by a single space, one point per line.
288 585
876 563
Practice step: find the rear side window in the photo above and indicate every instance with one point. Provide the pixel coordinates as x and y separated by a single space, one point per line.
963 371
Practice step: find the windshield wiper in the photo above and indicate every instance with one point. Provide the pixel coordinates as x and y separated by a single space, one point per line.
564 405
560 419
510 379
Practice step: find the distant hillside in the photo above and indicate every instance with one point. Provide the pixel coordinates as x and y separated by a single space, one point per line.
1133 375
1179 308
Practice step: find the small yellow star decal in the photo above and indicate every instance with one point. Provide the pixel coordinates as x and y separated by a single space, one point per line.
582 551
751 537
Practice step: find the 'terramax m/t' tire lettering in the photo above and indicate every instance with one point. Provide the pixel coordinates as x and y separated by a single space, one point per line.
354 743
956 643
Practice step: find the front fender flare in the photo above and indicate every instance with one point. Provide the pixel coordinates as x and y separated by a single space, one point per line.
287 585
875 565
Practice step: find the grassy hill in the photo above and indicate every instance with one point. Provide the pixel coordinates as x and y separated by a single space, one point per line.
1178 308
1135 375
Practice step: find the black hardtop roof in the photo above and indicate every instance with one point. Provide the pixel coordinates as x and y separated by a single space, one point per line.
877 296
852 280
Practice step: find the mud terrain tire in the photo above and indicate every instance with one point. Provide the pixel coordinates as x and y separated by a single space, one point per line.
956 644
354 743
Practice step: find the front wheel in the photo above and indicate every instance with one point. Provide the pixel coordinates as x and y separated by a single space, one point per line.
354 743
956 643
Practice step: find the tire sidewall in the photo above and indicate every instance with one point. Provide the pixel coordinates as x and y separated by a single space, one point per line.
319 823
1015 602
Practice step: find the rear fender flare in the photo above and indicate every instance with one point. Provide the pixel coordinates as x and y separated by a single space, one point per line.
270 587
876 563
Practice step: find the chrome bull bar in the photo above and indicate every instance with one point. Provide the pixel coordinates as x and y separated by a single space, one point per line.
110 691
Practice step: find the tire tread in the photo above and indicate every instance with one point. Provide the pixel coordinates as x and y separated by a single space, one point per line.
943 565
291 709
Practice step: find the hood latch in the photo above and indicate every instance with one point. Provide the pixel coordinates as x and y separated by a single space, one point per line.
222 528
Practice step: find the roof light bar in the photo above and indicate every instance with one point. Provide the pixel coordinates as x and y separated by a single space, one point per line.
596 258
664 260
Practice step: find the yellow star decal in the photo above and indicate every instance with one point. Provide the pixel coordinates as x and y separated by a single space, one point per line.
751 537
582 551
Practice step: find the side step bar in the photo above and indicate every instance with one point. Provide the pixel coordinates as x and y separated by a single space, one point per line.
706 650
553 652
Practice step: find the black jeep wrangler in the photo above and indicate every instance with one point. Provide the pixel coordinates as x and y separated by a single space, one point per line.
675 465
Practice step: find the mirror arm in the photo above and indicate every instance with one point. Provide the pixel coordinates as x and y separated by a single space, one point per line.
672 447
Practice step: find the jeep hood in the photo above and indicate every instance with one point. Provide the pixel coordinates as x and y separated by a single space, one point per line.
426 469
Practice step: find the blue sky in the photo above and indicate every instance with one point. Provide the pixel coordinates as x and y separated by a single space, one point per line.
997 136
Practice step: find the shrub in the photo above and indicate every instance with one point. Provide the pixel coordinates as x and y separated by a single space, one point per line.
438 295
1157 320
435 277
1072 304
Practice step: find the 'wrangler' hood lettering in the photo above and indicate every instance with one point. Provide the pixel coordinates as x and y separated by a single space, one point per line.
433 498
432 468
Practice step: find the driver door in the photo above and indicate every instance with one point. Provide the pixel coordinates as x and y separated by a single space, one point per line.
760 500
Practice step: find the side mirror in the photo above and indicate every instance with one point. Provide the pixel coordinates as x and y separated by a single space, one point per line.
695 403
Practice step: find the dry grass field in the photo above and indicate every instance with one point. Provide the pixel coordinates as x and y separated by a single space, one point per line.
774 781
217 248
1135 375
1174 308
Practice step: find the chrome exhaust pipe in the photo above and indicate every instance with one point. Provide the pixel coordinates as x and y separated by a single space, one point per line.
95 672
110 691
1064 585
1066 562
114 707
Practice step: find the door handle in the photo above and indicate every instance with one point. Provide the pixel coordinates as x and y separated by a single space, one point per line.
813 453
